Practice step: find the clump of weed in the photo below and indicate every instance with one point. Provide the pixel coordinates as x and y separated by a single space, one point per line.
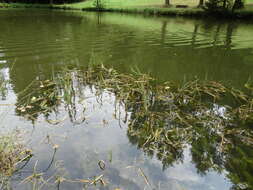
39 97
12 153
208 117
3 86
164 118
162 110
175 114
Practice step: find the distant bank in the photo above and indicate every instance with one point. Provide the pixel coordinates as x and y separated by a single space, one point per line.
245 13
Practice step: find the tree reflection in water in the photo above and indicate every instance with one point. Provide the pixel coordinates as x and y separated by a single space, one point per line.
211 119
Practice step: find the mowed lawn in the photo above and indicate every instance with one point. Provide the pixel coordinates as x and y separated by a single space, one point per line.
134 3
158 5
150 3
139 3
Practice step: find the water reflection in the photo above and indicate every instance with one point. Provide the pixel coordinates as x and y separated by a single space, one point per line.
164 47
43 43
210 146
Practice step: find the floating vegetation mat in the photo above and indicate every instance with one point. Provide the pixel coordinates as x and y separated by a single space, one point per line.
163 118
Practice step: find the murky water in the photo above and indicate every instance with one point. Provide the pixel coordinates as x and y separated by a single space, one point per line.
38 44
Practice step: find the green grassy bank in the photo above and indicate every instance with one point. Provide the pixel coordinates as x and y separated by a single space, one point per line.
149 7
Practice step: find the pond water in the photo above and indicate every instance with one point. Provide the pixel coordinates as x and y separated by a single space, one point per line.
37 44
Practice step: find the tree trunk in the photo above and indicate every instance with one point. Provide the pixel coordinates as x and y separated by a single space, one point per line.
163 32
224 4
194 34
238 4
216 35
201 3
229 34
167 2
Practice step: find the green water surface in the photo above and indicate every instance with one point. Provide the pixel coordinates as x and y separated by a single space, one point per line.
36 44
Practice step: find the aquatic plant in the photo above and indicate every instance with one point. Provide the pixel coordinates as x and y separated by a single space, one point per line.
12 153
3 86
39 97
206 104
164 119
